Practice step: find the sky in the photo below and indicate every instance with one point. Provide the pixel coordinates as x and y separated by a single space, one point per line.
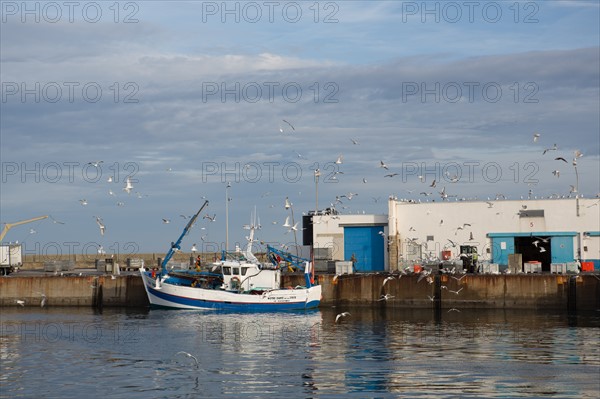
184 97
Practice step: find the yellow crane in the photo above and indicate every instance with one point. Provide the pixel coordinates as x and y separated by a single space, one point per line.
8 226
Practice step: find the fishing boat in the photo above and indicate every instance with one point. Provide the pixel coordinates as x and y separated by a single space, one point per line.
237 282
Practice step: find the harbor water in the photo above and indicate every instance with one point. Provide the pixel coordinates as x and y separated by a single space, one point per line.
381 352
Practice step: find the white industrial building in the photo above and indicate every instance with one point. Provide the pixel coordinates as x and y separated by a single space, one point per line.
547 232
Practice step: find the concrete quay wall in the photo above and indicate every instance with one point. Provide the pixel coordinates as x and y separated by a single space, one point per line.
580 292
545 291
96 291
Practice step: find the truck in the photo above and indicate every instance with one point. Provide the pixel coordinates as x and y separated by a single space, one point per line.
10 258
11 254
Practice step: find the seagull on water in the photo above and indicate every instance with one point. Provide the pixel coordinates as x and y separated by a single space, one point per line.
343 314
188 355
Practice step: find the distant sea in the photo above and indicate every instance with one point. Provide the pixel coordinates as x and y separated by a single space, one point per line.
372 353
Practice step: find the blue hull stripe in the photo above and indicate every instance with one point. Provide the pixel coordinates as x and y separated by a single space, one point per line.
238 306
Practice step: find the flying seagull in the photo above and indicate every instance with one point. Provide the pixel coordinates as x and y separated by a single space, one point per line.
128 186
339 316
554 148
561 159
293 128
390 278
536 136
100 224
383 165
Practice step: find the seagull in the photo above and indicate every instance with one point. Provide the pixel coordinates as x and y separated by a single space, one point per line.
339 316
83 202
207 216
166 221
432 183
536 136
390 278
44 299
188 355
490 204
554 148
293 128
32 231
128 186
459 278
452 243
383 165
287 222
100 224
456 292
339 159
354 141
431 298
561 159
385 297
95 163
453 310
110 179
391 175
556 173
20 302
56 221
542 249
578 154
364 180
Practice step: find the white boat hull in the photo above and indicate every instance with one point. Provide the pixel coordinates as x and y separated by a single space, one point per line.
184 297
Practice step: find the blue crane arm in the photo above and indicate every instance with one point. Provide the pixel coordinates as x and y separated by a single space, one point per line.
176 246
297 261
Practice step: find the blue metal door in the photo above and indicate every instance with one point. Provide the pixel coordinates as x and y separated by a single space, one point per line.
501 248
367 246
561 249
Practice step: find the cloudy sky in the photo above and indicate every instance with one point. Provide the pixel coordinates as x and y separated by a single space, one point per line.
183 97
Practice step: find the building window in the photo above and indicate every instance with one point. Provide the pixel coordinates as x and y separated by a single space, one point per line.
429 238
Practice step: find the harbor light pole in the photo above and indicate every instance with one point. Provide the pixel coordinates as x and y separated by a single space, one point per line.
317 174
227 215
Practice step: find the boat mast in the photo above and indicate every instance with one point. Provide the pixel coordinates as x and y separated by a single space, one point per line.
176 246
